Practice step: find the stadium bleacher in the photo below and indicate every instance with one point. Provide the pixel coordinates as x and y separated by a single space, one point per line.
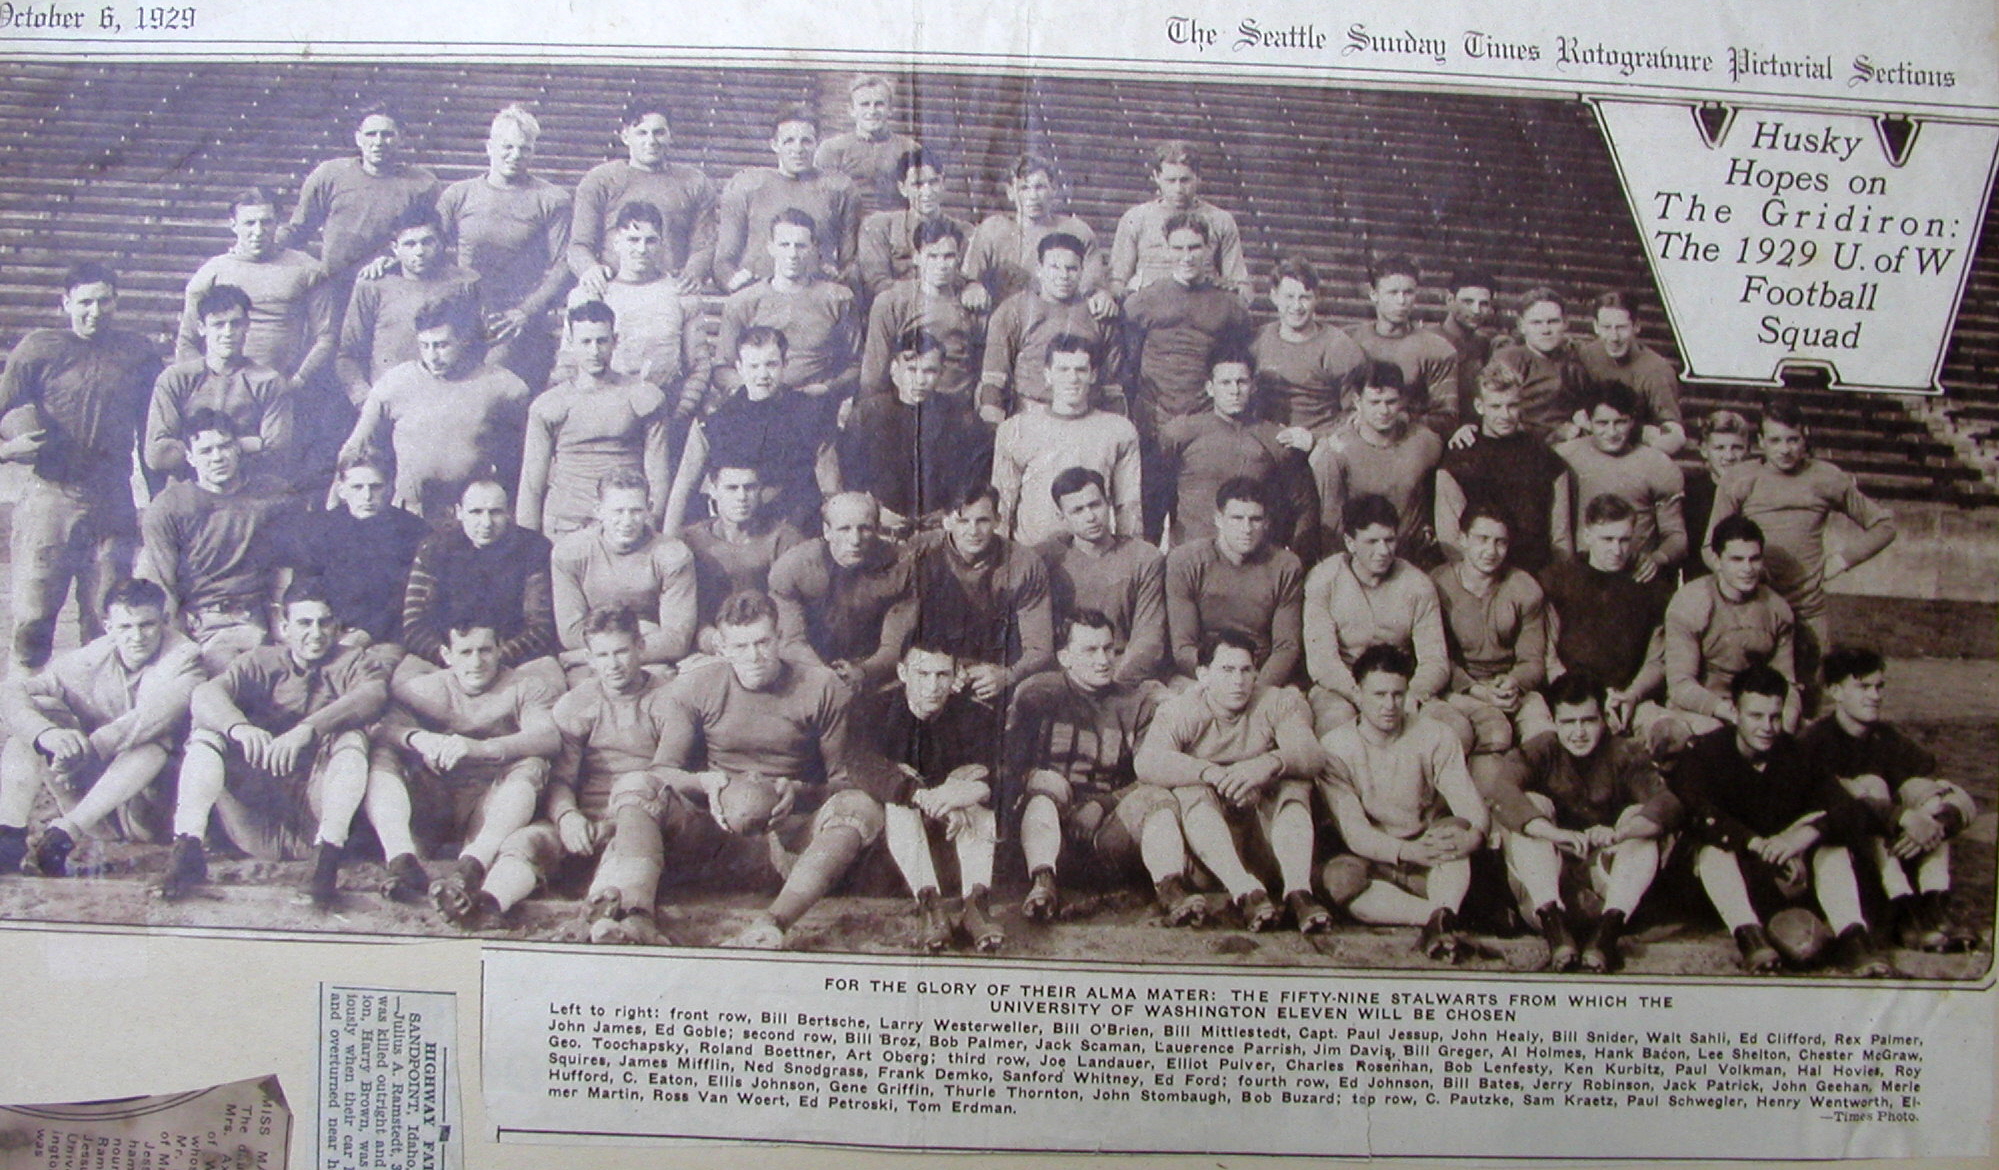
133 163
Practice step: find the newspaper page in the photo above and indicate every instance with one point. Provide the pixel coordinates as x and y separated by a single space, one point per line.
1248 581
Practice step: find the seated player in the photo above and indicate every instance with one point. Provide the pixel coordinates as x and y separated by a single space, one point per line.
679 192
258 400
930 301
1238 579
448 414
1006 248
1769 824
461 758
889 235
756 714
1092 566
932 754
1365 597
1496 625
1724 442
735 548
1715 627
360 552
1239 759
1380 452
1015 373
279 751
379 331
1590 812
213 542
844 600
1608 460
1916 812
1305 367
1428 362
786 434
1552 378
622 562
870 155
94 729
1203 451
1072 739
600 422
982 597
755 198
659 330
486 571
890 445
1602 621
1502 463
1407 809
1142 251
610 724
1033 447
1618 356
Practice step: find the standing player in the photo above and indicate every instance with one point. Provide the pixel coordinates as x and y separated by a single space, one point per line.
622 562
1610 461
1092 566
982 597
1590 811
1015 375
684 197
1429 362
1238 756
1793 496
484 571
1032 448
1552 379
1203 451
1305 368
379 331
358 553
279 751
293 311
1503 463
660 330
1618 356
1143 252
1724 442
1005 249
1917 813
844 600
1380 451
85 387
450 417
933 756
256 398
755 198
888 244
1072 736
511 227
929 301
599 423
352 202
1468 327
214 543
95 729
461 757
1239 579
1407 809
870 155
1768 824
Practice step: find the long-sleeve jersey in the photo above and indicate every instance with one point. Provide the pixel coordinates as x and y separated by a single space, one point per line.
993 610
1261 597
1731 798
90 396
1089 738
686 201
1127 584
258 400
1403 785
504 585
1502 632
1343 617
353 211
1189 734
90 689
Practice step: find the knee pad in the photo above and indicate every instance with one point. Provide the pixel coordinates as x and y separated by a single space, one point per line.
1345 877
1051 785
852 809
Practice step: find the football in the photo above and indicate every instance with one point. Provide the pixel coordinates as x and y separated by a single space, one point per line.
746 802
1799 935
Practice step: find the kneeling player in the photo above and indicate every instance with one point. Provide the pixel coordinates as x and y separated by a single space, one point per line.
280 742
1236 753
935 757
95 728
1406 805
1072 739
1770 825
1916 813
463 756
1590 808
